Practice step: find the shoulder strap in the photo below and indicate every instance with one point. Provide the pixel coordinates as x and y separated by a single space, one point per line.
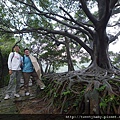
23 58
12 56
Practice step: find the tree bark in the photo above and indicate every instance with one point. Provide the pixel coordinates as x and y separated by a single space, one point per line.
69 60
100 46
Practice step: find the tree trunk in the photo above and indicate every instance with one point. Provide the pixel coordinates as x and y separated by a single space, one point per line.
100 46
69 60
2 69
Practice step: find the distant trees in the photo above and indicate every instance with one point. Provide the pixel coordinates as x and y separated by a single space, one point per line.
70 19
62 30
6 44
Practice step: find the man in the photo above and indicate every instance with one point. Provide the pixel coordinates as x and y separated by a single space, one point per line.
30 68
14 63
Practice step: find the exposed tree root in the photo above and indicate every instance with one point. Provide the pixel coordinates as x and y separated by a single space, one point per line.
92 91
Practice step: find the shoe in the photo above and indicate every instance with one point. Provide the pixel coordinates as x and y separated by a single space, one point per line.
6 97
17 95
27 93
42 87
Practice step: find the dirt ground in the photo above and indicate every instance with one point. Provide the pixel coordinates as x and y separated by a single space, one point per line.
30 106
35 106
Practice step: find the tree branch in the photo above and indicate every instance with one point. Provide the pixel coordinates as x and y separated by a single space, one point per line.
114 38
86 30
107 14
44 31
78 23
112 3
87 12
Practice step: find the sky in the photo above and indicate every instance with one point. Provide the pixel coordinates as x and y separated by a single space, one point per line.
112 30
115 47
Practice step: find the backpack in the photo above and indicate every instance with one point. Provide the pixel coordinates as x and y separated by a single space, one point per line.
12 56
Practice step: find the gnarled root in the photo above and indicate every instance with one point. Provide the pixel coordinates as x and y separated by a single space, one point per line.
94 91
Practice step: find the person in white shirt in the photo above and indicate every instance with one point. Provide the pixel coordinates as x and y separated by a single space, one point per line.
14 66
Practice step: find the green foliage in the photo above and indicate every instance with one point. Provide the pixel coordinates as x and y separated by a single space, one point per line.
115 58
80 15
113 99
101 88
66 93
44 4
103 104
55 95
115 82
45 14
6 43
79 98
84 60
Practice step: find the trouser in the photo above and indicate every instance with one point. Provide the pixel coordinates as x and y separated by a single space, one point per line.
16 75
26 77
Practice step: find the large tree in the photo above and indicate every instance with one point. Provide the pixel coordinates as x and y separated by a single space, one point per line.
75 19
27 13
